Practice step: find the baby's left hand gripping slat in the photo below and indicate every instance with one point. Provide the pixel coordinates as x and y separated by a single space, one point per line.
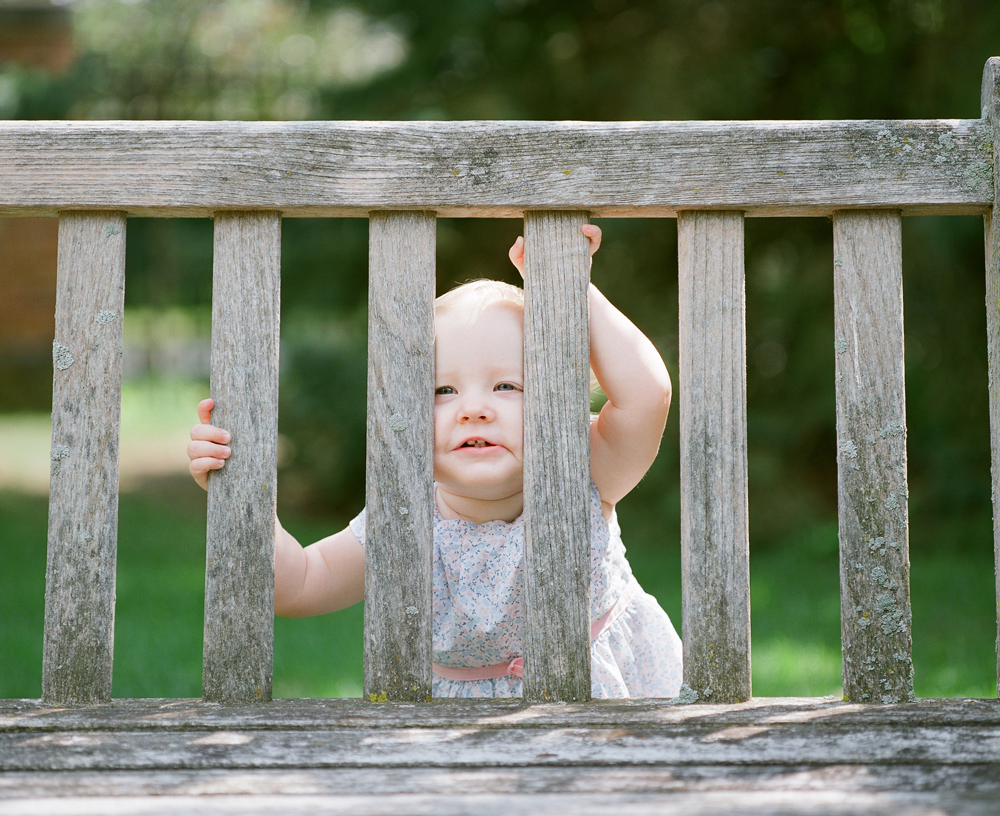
239 576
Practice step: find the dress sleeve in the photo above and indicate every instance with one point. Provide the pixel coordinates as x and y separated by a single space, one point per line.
598 524
357 525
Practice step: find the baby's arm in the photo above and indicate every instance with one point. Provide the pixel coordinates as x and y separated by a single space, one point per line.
323 577
626 435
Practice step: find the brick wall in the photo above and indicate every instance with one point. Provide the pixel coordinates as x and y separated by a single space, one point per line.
35 35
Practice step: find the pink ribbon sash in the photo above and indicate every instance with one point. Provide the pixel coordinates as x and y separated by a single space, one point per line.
515 668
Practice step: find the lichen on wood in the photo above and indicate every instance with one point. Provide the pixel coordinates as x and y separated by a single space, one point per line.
871 462
83 493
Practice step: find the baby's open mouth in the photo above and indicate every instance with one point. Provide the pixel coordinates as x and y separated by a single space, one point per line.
475 443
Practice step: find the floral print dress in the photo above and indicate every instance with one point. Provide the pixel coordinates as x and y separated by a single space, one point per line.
478 592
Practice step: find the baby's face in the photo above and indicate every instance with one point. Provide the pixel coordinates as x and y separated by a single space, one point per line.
479 402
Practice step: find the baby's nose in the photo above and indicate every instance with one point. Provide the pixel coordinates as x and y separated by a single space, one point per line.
475 410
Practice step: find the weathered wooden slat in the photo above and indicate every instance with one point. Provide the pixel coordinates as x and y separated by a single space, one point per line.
83 493
495 168
239 575
635 745
715 542
712 803
400 463
774 756
37 717
991 114
871 457
346 781
556 457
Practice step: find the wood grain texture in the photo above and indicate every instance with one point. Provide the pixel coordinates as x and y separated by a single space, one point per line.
83 492
400 463
871 457
506 782
239 575
456 748
773 756
297 735
715 543
991 114
963 800
556 457
33 716
498 168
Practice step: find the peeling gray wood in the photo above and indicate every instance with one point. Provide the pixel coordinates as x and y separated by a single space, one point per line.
36 717
715 542
991 114
556 457
871 457
462 748
239 575
497 169
833 779
959 802
713 803
400 463
83 493
768 756
635 745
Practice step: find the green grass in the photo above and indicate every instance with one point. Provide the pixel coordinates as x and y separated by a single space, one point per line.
160 603
795 606
796 628
156 417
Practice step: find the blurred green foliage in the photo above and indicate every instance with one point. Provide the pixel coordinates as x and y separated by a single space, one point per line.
601 59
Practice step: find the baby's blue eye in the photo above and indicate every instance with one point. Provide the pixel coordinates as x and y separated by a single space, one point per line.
443 390
506 387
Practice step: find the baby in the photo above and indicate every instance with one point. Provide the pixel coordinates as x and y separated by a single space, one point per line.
478 582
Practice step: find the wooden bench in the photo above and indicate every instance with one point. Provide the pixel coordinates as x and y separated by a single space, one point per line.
714 749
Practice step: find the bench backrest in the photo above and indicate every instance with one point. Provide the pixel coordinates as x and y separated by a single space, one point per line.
865 175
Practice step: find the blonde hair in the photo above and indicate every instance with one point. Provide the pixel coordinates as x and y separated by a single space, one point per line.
480 294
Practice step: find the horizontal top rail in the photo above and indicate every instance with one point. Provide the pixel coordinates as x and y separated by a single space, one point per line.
496 168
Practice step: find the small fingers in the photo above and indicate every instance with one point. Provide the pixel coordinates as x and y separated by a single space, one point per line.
210 433
204 465
207 449
516 254
593 233
201 467
205 457
201 449
205 410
